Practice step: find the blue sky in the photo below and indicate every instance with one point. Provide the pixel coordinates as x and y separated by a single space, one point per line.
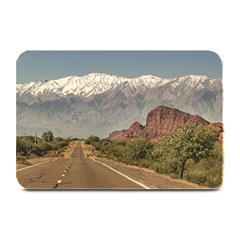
36 65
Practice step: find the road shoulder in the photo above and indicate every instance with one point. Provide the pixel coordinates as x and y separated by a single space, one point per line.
145 176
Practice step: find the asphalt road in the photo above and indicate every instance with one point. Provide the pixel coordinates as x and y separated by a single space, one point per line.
75 172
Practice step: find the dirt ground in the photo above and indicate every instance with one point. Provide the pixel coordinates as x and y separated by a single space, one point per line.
145 176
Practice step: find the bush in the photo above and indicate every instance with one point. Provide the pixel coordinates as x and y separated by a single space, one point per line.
138 150
62 144
92 139
97 147
208 173
37 151
27 145
214 181
144 163
21 159
158 156
169 166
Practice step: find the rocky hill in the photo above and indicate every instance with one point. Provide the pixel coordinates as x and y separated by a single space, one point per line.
161 121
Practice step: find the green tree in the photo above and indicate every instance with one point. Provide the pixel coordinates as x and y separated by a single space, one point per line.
92 140
138 150
47 136
193 142
21 146
41 149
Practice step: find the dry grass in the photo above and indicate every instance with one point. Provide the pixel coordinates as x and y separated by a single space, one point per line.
69 149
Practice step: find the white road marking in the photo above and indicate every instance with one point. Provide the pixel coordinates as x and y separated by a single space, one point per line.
59 181
105 165
63 175
36 165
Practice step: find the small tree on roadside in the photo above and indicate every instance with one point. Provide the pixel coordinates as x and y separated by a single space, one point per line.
21 146
193 142
47 136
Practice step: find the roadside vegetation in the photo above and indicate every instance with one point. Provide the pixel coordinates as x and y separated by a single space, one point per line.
46 145
193 153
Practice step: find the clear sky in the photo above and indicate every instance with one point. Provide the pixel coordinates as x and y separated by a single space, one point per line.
37 65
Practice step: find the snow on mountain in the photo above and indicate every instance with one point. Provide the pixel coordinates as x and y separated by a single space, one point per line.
97 103
86 86
97 83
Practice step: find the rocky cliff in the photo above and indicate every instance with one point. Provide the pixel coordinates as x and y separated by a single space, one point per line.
161 121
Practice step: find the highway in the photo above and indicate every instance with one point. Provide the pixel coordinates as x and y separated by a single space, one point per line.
75 172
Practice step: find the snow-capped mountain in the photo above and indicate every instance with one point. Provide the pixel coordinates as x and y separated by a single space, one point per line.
82 87
99 103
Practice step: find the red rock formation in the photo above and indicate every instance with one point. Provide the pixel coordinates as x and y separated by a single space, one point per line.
133 131
161 121
122 134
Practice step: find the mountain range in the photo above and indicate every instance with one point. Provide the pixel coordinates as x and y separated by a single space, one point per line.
97 104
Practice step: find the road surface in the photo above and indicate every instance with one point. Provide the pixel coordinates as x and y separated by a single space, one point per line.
75 172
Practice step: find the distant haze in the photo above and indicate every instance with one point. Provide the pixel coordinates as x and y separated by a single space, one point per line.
97 104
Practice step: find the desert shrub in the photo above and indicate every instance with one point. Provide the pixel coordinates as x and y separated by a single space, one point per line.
208 172
214 181
169 166
92 139
97 147
29 145
217 152
21 159
144 163
116 151
24 145
62 143
138 150
21 147
41 149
